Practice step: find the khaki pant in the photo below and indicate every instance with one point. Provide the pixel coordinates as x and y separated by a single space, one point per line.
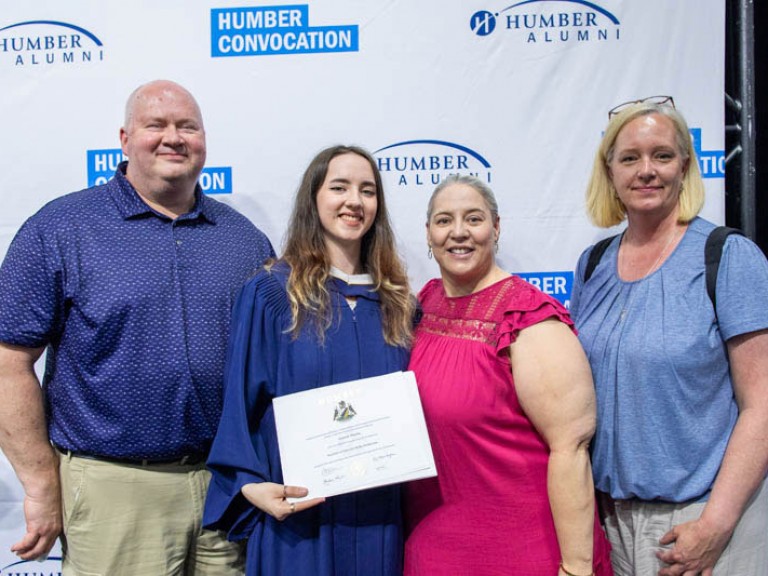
634 528
125 519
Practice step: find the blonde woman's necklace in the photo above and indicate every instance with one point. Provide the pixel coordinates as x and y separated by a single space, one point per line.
632 288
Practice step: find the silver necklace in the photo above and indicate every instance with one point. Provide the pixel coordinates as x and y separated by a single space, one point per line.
633 292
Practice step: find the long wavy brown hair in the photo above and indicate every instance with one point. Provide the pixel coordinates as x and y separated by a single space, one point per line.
307 257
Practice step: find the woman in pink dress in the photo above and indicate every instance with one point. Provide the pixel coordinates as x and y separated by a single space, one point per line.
510 407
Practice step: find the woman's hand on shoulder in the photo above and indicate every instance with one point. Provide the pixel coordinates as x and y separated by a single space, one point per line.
272 498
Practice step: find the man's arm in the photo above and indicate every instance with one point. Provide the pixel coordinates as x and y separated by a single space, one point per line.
24 441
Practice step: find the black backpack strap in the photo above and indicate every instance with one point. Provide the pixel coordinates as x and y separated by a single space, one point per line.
596 255
713 251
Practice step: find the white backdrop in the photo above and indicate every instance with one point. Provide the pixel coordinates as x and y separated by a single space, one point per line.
515 92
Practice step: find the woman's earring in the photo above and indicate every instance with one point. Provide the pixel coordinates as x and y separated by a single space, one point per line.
496 243
429 253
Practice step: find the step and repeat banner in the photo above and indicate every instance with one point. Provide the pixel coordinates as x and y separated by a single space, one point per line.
516 93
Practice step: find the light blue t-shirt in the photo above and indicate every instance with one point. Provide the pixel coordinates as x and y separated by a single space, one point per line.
665 402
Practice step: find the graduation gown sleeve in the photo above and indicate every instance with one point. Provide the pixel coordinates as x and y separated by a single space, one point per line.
239 454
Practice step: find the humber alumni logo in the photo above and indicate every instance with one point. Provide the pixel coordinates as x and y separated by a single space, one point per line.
49 567
426 162
47 43
549 22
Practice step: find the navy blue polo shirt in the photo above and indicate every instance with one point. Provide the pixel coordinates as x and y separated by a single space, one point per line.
134 308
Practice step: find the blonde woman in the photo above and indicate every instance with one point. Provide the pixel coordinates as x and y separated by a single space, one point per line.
680 452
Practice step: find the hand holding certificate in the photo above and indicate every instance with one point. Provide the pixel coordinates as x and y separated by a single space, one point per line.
353 436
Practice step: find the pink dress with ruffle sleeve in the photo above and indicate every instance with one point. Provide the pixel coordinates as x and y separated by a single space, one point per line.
487 512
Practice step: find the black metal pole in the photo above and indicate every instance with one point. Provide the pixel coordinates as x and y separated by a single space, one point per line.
746 28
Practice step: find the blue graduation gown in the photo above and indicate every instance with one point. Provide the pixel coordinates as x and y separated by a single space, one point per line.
354 534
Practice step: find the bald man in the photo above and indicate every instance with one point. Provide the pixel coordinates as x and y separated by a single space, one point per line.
128 286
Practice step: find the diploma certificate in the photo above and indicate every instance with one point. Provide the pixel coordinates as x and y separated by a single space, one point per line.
353 436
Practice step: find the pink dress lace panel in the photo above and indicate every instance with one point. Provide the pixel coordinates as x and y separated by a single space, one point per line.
487 512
